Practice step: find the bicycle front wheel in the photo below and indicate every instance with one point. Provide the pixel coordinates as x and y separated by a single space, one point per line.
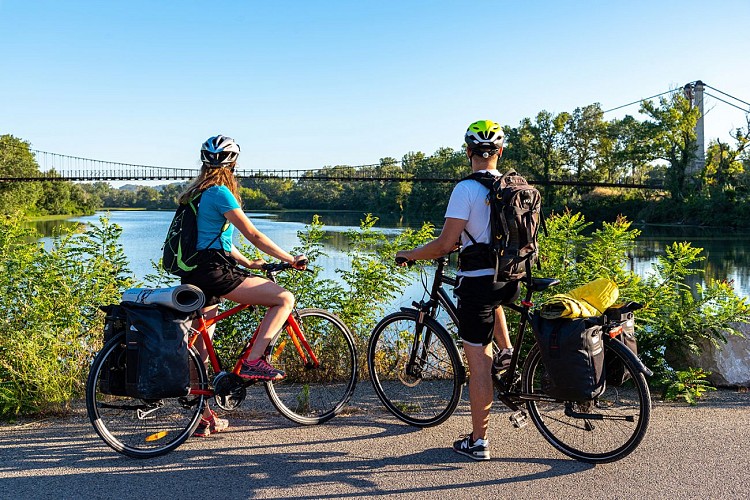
601 430
135 427
419 382
313 393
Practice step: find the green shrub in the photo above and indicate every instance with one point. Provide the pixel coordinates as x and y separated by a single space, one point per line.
50 327
677 315
690 385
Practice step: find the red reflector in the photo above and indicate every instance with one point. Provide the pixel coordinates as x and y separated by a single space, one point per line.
615 332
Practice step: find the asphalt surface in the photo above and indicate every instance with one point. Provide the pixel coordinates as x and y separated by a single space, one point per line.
689 452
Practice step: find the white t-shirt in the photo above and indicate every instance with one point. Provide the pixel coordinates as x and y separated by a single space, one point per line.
469 202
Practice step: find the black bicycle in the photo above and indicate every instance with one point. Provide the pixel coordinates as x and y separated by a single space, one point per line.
418 373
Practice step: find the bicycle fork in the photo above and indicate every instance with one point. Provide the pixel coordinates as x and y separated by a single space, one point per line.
418 353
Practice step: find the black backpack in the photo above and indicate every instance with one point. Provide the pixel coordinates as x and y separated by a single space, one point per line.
515 216
573 357
179 255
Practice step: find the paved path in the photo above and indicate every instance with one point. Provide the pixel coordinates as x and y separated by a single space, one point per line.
689 452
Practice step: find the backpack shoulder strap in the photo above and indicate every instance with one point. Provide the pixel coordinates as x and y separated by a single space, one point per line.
486 179
489 181
195 201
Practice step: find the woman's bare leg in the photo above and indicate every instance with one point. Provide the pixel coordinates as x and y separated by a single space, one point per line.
280 302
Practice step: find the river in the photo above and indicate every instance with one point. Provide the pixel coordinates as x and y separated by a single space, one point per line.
727 253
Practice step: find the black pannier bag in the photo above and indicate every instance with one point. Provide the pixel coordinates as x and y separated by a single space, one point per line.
157 351
573 355
615 368
112 377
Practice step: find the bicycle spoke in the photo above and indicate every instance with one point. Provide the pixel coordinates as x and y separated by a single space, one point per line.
601 430
429 394
314 394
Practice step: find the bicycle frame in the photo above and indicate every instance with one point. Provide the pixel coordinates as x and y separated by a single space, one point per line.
293 329
440 297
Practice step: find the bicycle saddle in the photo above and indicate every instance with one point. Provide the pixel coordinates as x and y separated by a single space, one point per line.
541 284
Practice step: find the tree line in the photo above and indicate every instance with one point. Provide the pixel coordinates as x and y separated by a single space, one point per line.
581 145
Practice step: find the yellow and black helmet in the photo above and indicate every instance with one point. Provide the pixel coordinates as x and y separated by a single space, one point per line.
485 136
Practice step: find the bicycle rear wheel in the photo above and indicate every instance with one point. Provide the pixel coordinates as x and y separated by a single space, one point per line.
601 430
135 427
422 393
314 394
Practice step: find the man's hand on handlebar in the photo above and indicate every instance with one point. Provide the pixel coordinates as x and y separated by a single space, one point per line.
402 260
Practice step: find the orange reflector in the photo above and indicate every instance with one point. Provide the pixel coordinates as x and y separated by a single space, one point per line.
615 332
279 348
156 437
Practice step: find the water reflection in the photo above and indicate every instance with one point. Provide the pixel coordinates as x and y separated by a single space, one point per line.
726 253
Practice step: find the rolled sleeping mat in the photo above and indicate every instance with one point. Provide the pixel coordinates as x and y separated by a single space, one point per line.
185 298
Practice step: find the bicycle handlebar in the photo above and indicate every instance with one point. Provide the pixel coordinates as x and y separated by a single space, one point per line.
275 267
404 260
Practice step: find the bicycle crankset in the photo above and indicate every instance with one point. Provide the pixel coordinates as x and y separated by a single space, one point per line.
229 391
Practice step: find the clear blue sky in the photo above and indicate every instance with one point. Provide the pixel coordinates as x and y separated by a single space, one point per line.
302 84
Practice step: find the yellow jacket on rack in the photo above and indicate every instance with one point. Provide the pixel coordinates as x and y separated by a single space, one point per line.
591 299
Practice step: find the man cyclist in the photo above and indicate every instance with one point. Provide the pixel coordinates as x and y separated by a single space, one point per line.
479 297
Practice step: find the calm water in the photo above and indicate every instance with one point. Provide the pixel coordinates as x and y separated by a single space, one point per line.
727 255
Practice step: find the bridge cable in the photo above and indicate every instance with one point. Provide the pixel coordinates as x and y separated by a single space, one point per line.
728 95
639 100
726 102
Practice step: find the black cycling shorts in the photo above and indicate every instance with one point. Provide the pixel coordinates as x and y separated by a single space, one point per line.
478 297
217 274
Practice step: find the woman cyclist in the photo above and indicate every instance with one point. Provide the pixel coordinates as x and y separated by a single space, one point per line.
218 273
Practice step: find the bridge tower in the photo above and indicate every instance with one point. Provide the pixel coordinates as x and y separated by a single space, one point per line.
694 92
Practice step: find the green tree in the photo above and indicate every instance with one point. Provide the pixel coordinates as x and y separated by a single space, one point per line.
583 136
671 131
429 199
16 160
725 164
535 150
628 154
147 197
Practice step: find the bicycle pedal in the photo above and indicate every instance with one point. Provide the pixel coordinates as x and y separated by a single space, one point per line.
519 419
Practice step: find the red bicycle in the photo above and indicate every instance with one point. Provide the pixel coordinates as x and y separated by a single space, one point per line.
314 348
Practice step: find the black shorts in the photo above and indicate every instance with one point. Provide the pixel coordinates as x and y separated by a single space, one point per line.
217 274
478 297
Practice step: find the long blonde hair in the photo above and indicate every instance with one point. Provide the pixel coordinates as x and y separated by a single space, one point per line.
208 177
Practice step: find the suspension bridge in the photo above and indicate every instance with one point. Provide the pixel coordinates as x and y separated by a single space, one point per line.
59 167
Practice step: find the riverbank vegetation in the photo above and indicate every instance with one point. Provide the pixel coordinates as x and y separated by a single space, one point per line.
51 326
553 148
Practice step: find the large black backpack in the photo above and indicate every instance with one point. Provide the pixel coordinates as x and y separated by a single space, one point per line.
515 217
179 255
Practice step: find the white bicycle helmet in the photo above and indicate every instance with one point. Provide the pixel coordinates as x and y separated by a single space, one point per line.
219 151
